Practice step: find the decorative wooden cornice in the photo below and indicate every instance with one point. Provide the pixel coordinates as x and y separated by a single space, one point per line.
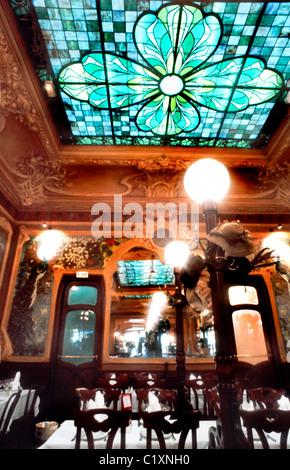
19 95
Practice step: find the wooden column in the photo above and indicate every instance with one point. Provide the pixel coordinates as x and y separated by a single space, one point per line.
179 303
225 346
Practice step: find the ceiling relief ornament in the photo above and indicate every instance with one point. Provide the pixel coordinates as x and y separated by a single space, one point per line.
15 96
38 175
276 181
160 178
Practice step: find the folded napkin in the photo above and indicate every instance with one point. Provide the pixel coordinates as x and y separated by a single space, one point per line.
247 405
284 403
15 385
98 402
154 404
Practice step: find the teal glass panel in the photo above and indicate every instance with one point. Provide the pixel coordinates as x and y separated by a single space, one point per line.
144 273
79 337
125 101
82 295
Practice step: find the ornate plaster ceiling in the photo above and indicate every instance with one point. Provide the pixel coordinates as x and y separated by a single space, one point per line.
41 178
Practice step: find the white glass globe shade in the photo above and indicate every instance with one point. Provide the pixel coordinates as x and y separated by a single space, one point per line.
50 242
159 299
176 253
281 249
206 180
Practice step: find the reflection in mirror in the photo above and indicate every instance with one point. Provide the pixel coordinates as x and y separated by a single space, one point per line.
249 336
142 321
79 336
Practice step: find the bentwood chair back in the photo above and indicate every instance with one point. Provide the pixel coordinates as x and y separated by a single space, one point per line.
7 414
88 421
22 429
264 422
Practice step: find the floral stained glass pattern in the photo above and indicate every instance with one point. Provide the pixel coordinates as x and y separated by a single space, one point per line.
177 77
161 73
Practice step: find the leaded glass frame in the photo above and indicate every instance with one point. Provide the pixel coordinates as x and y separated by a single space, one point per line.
71 29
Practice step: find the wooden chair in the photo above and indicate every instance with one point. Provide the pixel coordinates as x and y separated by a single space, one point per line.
22 429
150 383
165 397
212 403
87 420
120 382
266 421
144 380
5 419
182 423
264 397
111 396
196 386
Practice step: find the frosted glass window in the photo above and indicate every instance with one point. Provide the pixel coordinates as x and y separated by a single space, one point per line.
82 295
249 336
243 295
79 336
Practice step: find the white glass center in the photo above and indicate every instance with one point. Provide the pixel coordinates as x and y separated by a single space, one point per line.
171 85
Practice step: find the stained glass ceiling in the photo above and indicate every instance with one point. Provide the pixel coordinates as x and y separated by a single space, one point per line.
142 72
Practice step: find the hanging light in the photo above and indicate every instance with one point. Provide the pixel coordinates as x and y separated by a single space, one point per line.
176 253
281 249
206 180
50 242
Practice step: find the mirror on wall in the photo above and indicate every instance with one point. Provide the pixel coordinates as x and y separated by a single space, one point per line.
142 319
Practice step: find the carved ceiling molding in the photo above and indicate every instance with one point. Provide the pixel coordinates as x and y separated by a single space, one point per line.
166 163
38 175
276 181
15 96
160 177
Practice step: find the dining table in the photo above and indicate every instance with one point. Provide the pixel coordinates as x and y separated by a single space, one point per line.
65 435
64 438
20 407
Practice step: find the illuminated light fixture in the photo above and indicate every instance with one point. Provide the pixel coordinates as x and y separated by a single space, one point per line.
50 242
176 253
158 301
206 180
49 88
159 298
280 249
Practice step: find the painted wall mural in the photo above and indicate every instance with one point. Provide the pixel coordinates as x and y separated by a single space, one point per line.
30 312
29 316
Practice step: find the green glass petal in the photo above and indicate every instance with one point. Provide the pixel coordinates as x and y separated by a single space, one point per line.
168 116
213 86
126 81
177 39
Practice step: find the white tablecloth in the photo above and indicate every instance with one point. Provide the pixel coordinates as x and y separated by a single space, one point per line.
64 438
20 407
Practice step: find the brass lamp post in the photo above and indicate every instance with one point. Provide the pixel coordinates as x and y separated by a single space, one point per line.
206 182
